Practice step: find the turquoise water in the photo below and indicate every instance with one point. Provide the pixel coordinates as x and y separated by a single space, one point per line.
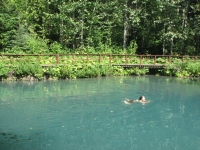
88 114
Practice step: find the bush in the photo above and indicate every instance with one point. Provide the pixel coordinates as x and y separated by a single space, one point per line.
3 70
24 67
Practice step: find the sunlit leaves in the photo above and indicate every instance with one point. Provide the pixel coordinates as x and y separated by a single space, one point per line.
157 27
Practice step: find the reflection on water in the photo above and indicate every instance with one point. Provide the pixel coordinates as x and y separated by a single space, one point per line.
90 114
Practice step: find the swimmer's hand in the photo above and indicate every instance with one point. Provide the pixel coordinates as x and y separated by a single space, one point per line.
144 102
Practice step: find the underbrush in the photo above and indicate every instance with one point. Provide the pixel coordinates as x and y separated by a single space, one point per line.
22 68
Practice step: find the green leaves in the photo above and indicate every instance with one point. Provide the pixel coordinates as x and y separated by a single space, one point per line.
25 67
153 27
3 70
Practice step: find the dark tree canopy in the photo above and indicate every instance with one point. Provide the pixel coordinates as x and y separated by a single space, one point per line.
128 26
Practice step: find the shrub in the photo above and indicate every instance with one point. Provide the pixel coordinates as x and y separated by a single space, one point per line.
3 70
24 67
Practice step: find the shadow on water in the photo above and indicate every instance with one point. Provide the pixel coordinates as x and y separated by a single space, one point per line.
33 139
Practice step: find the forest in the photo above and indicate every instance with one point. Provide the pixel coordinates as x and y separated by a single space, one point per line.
164 27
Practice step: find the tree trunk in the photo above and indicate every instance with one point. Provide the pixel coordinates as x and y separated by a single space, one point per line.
164 41
125 33
197 45
91 25
61 25
82 26
61 32
125 28
163 47
171 46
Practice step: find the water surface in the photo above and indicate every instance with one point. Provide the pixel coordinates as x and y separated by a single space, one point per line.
86 114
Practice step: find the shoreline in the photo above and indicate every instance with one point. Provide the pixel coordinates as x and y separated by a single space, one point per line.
34 79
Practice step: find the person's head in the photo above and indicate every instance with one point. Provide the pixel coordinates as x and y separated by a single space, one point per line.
142 98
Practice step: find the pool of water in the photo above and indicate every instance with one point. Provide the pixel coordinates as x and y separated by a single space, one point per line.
88 114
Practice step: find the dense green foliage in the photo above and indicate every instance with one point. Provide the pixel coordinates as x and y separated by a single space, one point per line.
29 68
20 68
99 26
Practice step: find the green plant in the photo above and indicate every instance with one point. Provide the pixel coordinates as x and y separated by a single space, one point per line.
52 71
105 70
25 67
37 45
67 72
56 48
132 47
117 71
88 71
161 61
3 70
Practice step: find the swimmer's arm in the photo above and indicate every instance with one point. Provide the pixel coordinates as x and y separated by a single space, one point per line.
145 102
129 101
133 101
126 99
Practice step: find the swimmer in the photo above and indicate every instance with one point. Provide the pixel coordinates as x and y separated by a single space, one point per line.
141 100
